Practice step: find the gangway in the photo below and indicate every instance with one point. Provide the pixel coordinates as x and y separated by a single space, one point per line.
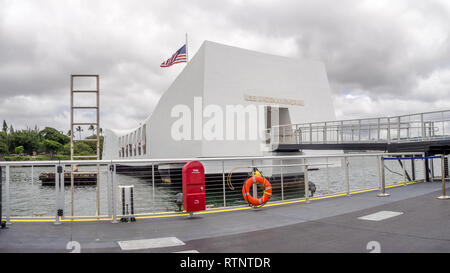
427 132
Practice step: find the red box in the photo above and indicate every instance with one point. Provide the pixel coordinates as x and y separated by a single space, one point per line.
193 175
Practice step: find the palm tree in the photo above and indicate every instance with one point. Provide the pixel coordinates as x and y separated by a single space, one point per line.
79 130
92 128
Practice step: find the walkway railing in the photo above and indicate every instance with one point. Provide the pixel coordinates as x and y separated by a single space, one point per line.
427 126
157 181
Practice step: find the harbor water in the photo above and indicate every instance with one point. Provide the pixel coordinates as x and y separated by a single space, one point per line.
29 198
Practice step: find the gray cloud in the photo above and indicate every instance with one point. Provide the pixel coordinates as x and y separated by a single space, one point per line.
382 57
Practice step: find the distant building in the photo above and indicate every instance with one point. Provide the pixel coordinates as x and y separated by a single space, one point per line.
219 78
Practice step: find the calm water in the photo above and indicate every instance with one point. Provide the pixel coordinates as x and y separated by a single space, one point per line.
28 197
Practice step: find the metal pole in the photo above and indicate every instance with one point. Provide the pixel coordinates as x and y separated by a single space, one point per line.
383 186
254 186
364 171
153 184
8 212
378 159
223 184
378 129
98 189
2 224
114 195
404 173
108 188
413 169
427 170
328 178
432 169
32 186
72 189
389 131
347 182
282 184
444 196
57 181
422 126
305 176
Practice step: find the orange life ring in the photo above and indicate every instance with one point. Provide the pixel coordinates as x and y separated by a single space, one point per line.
267 190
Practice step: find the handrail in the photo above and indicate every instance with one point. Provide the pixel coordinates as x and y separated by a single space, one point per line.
181 160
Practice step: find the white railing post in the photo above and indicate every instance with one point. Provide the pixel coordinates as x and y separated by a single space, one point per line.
378 130
281 177
347 180
114 194
223 184
383 182
109 189
444 196
359 130
305 176
389 131
57 194
7 196
422 126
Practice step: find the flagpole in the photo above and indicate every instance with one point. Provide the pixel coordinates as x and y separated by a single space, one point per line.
187 56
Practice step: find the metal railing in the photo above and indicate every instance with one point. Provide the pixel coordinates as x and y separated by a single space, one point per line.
425 126
157 181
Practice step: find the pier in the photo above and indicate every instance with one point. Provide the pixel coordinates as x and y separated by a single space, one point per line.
323 225
427 132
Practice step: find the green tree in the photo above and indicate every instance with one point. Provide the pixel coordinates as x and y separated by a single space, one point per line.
92 128
54 135
5 127
52 146
19 150
79 130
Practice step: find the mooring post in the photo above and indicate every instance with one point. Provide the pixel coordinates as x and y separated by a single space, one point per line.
383 181
444 196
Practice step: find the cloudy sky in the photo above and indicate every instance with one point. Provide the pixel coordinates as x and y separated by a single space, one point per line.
382 57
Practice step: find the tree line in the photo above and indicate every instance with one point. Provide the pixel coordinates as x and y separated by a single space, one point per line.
45 144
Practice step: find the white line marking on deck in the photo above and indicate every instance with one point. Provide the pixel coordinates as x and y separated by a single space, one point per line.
381 215
150 243
188 251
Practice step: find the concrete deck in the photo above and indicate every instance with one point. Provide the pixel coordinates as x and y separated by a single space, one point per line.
329 225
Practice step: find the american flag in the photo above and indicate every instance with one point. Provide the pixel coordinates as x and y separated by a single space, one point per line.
178 57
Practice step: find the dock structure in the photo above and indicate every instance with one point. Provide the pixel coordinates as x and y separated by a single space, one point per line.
427 132
400 223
